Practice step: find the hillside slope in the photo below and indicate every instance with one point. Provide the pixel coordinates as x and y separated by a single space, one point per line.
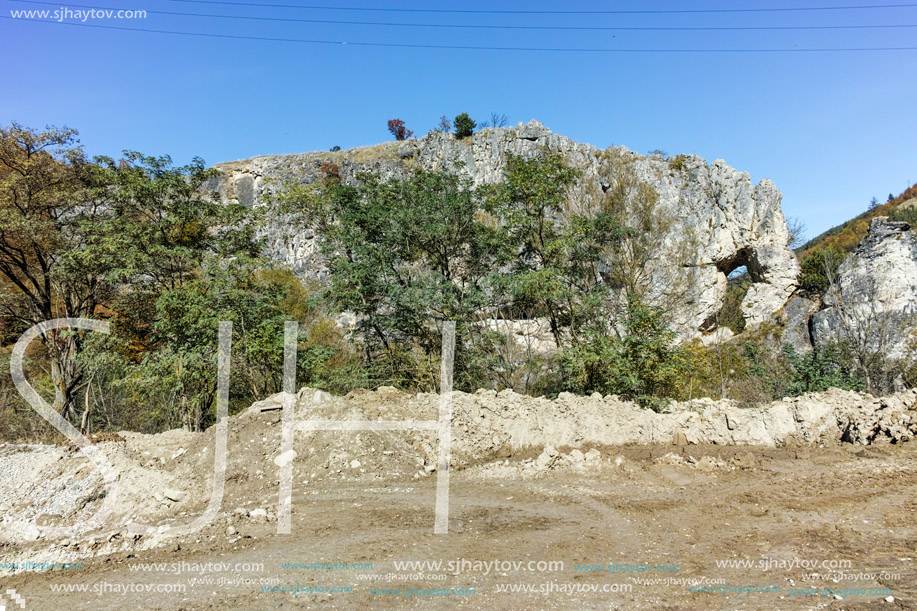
848 234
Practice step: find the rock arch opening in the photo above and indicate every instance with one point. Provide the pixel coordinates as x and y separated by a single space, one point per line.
740 271
744 259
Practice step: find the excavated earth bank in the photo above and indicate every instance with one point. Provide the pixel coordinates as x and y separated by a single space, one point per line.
578 478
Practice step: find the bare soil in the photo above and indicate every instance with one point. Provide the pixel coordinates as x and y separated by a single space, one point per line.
690 506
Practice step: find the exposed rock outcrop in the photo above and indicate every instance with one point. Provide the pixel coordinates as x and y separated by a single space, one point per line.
874 300
717 219
795 321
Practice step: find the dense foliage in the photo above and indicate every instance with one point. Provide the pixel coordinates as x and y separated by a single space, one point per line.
139 242
907 215
547 295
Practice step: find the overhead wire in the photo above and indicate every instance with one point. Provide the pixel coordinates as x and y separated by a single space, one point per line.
556 12
494 26
469 47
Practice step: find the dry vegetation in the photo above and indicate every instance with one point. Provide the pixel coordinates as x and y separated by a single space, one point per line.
847 235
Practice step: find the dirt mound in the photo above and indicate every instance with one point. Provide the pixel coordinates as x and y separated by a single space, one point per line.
168 478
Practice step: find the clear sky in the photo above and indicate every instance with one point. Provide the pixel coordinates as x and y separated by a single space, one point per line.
831 129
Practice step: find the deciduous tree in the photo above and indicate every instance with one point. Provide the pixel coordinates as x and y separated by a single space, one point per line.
397 129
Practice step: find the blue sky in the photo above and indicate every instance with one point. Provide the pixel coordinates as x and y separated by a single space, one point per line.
831 130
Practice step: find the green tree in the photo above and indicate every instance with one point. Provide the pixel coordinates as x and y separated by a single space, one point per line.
821 368
403 254
645 365
819 268
556 271
48 205
464 126
82 238
181 262
179 366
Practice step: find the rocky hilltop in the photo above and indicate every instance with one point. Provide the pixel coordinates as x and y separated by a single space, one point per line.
716 220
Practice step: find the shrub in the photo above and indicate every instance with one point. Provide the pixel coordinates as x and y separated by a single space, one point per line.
678 162
818 269
397 128
906 215
464 126
330 170
820 369
436 257
646 365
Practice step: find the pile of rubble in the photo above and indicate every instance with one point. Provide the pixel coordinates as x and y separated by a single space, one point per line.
169 476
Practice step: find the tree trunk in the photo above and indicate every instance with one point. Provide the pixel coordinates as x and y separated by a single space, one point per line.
84 422
66 376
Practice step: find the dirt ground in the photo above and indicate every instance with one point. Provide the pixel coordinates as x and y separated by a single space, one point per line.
828 527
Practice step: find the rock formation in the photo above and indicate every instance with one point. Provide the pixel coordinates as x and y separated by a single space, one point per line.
874 297
716 219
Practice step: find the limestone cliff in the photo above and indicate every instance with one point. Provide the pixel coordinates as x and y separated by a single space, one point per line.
717 220
874 298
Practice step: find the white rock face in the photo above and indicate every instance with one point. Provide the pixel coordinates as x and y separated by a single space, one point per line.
717 215
876 292
795 321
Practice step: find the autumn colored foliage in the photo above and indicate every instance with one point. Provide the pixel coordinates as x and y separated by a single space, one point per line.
846 236
330 170
397 128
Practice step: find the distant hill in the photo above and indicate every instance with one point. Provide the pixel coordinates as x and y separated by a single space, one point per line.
847 235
